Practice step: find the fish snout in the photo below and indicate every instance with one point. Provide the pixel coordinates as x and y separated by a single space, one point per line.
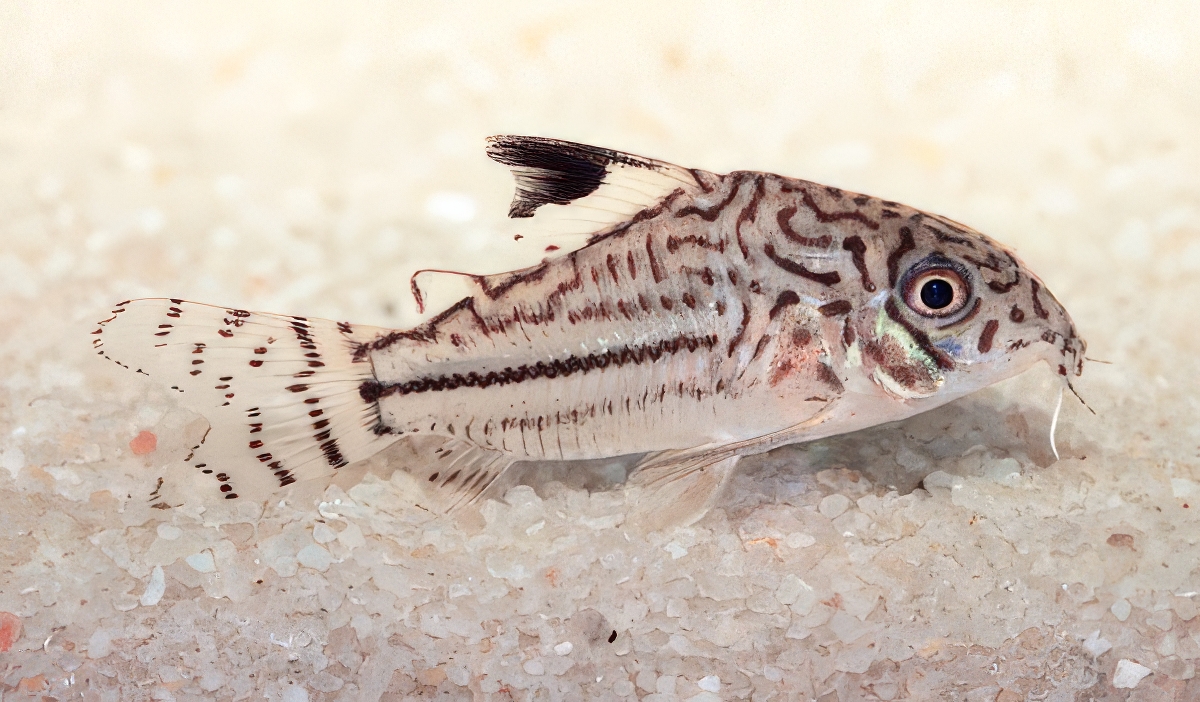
1065 349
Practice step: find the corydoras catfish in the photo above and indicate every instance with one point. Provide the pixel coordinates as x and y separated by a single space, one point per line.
704 318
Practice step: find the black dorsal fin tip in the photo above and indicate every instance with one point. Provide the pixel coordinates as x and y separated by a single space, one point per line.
551 171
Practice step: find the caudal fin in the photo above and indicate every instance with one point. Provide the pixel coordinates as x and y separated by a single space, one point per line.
281 393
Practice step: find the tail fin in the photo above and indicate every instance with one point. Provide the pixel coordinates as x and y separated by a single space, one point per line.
281 393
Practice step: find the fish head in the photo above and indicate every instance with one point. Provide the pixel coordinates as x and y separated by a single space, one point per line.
960 312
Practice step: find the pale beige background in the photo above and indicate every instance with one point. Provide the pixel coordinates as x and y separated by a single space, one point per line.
302 157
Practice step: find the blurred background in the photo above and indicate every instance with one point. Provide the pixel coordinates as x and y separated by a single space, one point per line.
307 157
303 158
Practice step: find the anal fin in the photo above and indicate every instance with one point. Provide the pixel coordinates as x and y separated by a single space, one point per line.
456 474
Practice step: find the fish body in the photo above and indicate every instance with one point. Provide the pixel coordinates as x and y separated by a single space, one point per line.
716 316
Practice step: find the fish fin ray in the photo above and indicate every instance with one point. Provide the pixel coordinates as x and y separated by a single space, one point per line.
594 189
280 393
457 474
436 289
552 171
677 487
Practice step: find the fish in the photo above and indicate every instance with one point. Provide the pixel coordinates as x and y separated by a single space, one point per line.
690 319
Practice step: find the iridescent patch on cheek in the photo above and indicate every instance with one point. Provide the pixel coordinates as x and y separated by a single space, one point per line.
902 367
951 345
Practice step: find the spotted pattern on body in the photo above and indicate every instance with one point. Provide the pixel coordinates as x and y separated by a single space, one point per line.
730 314
805 252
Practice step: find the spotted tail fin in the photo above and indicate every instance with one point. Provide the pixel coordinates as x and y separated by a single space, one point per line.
281 393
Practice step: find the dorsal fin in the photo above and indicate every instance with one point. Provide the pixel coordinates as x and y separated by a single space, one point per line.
551 171
593 187
566 193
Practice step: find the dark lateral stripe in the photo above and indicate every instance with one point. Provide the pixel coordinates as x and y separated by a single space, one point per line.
835 308
372 391
827 217
989 333
784 220
1037 303
786 298
858 251
943 361
893 261
830 278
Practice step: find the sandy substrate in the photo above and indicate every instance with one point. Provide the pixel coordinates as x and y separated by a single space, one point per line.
305 161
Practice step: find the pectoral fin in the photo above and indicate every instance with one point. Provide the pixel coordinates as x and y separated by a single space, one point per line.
678 487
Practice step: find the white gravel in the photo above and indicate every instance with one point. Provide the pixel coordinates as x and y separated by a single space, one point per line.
306 159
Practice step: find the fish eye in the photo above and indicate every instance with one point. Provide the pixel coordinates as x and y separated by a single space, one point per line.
936 292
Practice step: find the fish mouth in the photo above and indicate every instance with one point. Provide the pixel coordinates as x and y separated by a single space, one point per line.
1068 356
